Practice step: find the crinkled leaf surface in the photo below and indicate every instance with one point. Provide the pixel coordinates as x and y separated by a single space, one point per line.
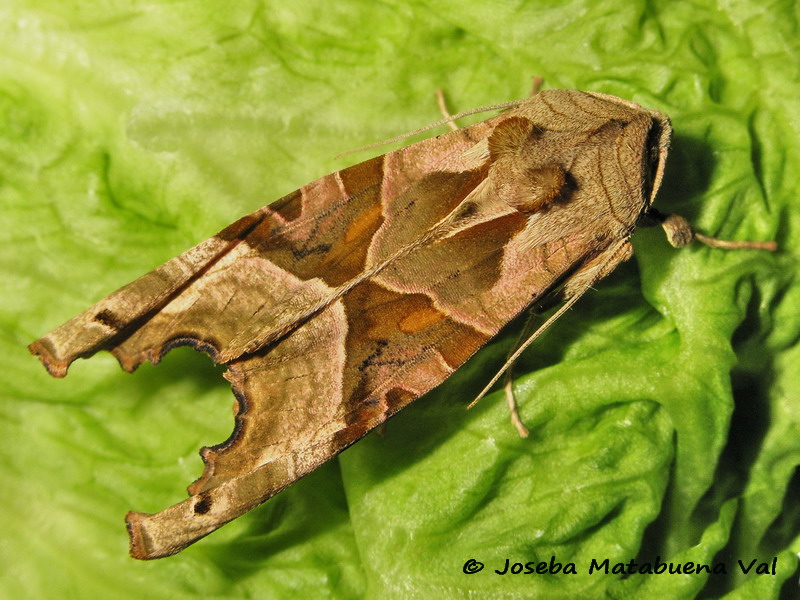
664 408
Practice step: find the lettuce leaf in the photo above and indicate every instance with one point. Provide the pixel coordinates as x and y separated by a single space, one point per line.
664 408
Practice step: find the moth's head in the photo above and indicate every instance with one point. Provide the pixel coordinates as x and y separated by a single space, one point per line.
640 147
641 139
585 152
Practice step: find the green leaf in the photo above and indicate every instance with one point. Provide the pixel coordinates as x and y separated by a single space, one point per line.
664 407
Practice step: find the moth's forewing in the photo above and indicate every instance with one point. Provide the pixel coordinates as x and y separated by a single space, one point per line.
346 300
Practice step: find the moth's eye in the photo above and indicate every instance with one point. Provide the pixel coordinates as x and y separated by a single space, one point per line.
652 157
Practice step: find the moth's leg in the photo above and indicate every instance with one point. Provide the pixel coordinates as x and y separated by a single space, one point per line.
537 85
508 383
442 103
534 312
680 233
577 285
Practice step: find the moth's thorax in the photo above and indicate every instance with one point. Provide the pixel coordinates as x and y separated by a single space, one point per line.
593 157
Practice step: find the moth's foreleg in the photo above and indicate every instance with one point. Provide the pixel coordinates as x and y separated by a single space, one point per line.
680 233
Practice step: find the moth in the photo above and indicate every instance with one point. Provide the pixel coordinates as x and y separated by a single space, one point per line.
339 304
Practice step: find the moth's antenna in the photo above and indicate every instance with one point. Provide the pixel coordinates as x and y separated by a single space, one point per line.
679 233
601 272
513 358
449 119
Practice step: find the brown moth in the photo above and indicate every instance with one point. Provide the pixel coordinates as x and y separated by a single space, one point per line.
391 273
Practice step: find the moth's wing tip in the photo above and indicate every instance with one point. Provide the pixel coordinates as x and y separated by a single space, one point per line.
129 362
57 367
173 529
139 542
144 545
